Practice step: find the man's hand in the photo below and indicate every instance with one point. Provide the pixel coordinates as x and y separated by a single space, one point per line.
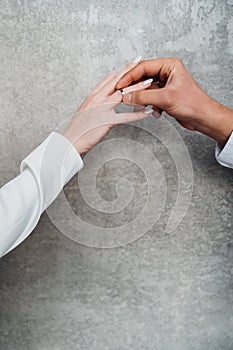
180 96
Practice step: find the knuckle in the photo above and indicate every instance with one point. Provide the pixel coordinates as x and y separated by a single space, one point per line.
177 61
138 97
92 98
130 76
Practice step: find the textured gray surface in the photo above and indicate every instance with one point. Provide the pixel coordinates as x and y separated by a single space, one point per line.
163 291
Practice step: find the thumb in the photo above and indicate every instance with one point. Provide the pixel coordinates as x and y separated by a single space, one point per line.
155 97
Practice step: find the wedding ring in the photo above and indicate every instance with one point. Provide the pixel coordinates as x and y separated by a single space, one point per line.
122 92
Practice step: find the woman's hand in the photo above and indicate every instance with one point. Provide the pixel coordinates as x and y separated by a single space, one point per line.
96 115
180 96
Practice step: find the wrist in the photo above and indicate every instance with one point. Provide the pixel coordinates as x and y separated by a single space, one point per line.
217 121
71 138
223 123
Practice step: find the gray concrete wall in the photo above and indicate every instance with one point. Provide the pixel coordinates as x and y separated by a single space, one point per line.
164 291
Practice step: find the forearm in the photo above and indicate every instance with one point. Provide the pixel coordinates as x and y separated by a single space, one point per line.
43 174
19 210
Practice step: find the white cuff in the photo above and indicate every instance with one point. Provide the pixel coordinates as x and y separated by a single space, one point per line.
53 164
225 156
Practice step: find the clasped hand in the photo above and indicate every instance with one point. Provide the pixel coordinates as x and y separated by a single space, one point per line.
166 85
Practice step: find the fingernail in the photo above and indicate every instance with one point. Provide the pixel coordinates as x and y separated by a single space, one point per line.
148 111
137 59
148 81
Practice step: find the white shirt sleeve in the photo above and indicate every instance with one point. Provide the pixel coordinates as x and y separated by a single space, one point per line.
225 156
43 175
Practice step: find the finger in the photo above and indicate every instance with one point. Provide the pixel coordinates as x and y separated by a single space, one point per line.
118 95
146 68
158 98
128 67
109 87
133 116
139 108
137 87
103 82
157 112
155 85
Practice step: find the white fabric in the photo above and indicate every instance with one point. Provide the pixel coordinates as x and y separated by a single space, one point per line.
225 156
43 175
